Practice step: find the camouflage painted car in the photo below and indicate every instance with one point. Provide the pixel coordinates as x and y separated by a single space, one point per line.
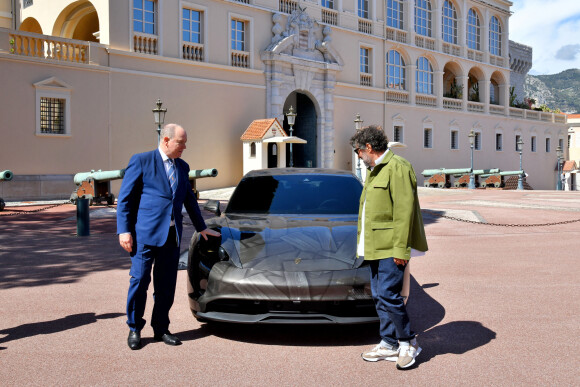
287 253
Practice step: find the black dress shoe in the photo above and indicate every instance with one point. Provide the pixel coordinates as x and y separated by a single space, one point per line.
134 340
168 339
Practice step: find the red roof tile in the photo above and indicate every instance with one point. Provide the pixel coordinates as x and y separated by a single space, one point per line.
569 165
259 128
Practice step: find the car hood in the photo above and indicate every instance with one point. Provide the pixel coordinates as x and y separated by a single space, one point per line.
291 243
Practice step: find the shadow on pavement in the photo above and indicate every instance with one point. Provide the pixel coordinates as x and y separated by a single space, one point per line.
52 326
425 313
43 249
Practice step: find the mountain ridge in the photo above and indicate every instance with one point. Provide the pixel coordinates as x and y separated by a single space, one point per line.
557 91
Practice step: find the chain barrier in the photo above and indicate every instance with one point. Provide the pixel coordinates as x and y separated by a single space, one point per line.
36 210
501 224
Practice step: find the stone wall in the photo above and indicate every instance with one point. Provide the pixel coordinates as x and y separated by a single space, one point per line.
520 63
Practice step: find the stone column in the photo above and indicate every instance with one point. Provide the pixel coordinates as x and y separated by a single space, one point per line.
412 71
465 83
438 87
484 94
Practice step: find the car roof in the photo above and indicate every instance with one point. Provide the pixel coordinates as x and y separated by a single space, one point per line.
297 171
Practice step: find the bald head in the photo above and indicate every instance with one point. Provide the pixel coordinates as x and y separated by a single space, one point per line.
173 139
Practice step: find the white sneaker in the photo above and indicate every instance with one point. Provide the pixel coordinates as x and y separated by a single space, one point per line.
381 353
407 355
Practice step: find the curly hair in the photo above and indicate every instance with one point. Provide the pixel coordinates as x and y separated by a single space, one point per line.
372 134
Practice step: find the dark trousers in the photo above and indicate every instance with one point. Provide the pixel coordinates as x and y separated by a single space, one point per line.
386 286
164 260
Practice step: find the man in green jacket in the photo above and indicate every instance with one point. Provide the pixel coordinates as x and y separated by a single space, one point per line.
390 232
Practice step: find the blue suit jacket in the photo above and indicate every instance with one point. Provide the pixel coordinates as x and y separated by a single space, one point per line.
145 201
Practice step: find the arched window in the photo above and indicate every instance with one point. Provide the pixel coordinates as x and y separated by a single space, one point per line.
424 76
395 70
423 17
449 22
253 149
494 36
473 30
395 14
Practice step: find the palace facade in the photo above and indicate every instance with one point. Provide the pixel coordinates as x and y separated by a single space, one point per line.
80 79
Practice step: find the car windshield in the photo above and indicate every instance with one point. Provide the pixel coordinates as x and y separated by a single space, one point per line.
297 194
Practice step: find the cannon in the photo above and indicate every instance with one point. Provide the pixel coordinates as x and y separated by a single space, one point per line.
462 180
5 176
496 180
441 178
96 186
195 174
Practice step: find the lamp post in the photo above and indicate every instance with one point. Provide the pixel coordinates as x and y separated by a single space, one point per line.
159 114
291 116
471 145
559 153
358 126
520 146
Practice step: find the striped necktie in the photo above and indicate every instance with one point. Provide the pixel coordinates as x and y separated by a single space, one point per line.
172 175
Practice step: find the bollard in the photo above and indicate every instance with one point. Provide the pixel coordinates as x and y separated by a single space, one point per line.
83 221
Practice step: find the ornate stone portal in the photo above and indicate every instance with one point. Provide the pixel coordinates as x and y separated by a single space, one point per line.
302 59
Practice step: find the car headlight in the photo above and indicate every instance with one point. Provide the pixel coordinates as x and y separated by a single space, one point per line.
223 254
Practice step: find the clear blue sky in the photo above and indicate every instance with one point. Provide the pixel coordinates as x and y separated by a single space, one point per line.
552 29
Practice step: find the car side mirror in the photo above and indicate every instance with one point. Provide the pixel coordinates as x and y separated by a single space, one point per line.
213 206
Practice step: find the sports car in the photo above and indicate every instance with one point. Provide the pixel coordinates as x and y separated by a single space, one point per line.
287 252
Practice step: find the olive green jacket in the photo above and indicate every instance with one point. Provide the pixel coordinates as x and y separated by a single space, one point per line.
393 223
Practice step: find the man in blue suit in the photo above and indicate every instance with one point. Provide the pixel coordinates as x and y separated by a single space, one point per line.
149 223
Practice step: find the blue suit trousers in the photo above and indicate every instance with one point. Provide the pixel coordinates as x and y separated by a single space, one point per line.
386 287
164 260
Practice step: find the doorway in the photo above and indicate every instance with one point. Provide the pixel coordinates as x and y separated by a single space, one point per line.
305 127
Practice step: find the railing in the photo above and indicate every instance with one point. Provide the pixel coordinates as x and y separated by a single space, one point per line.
560 118
398 96
193 51
366 79
243 1
425 100
49 47
496 60
288 6
515 112
475 55
365 26
532 114
547 117
451 49
496 109
240 58
330 16
145 43
424 42
452 103
396 35
476 107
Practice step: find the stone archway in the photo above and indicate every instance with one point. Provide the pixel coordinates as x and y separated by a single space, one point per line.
301 64
78 20
306 128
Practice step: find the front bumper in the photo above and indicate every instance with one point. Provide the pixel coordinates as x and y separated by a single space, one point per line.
312 297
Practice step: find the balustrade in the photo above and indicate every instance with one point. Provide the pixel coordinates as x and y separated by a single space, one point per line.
49 47
240 58
365 26
396 35
288 6
452 103
366 79
329 16
398 96
426 100
193 51
145 43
